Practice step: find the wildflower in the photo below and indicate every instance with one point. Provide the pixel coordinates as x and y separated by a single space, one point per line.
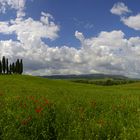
38 109
23 105
46 101
32 97
26 121
36 101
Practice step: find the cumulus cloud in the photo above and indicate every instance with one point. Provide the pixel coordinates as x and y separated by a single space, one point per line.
120 9
109 52
18 5
28 30
132 21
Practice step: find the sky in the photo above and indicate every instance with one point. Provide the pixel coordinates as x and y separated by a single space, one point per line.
72 36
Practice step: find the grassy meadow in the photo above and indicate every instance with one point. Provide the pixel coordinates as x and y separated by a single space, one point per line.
33 108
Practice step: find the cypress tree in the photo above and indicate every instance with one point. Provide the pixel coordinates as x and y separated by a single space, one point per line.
17 66
0 67
7 66
10 69
21 67
3 64
13 67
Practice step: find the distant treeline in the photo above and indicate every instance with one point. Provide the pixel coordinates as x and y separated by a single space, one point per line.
11 68
106 82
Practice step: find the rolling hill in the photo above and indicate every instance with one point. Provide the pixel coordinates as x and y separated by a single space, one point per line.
39 108
86 76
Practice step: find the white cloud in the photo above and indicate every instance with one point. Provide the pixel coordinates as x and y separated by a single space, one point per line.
120 9
109 52
28 30
132 21
79 36
18 5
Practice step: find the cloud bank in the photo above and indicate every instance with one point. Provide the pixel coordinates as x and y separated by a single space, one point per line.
108 52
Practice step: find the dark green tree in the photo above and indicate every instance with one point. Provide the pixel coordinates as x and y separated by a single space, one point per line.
13 68
0 67
17 66
3 64
7 66
10 69
21 67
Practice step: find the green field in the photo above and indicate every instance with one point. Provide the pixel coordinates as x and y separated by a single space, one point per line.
33 108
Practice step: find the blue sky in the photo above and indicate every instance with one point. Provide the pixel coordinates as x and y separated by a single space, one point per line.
72 37
76 14
87 16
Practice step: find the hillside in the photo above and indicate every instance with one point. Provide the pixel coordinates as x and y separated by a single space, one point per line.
39 108
86 76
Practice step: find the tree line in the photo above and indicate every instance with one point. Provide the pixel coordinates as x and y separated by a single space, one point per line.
11 68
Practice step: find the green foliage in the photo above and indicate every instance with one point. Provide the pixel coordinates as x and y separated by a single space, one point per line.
12 68
3 64
42 109
0 67
17 66
21 67
7 66
106 82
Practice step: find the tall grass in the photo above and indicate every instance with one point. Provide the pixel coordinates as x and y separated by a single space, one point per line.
36 108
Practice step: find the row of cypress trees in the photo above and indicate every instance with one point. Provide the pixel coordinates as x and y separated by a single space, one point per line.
12 68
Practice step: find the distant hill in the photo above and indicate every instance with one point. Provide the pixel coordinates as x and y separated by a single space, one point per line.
86 76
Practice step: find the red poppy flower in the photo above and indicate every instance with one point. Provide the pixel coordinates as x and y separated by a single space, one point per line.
46 101
38 109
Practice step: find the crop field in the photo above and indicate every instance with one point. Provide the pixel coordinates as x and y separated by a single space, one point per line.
33 108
